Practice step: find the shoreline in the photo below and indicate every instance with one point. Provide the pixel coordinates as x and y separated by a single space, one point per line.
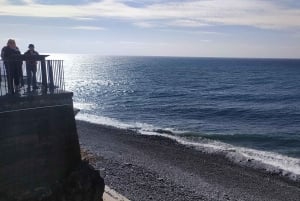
144 167
266 160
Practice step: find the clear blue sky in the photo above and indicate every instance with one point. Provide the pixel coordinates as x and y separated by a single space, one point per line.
214 28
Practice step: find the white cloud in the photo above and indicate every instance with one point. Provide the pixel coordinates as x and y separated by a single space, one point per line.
28 1
132 43
84 18
257 13
92 28
206 41
187 23
195 32
145 24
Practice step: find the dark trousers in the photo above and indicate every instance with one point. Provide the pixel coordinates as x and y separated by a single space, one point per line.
9 78
31 75
13 74
16 75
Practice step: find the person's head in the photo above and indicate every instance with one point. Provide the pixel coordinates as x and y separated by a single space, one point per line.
31 46
11 43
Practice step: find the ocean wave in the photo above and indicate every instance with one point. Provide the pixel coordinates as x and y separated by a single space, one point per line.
263 160
254 113
83 106
272 141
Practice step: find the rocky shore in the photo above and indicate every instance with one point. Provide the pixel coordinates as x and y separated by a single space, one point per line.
83 184
155 168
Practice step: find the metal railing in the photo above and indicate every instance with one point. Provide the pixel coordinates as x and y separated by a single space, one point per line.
49 78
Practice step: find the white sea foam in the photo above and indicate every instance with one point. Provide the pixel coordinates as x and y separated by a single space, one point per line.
83 106
102 120
269 161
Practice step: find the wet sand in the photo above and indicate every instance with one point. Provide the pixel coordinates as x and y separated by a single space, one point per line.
155 168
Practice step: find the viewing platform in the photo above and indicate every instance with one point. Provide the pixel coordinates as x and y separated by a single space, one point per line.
38 138
49 76
50 88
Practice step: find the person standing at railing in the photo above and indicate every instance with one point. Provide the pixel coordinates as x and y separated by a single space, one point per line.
4 55
1 77
13 66
31 67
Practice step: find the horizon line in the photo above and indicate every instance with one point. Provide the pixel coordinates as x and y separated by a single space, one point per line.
174 56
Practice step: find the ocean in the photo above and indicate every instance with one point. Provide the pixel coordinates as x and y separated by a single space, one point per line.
247 109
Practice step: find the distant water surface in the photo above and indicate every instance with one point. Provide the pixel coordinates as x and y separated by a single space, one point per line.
251 103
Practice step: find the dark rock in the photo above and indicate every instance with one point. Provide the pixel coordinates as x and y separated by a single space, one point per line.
84 184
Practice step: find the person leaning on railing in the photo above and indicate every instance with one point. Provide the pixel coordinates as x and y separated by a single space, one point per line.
31 67
13 67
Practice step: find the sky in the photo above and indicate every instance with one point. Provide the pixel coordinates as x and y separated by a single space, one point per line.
195 28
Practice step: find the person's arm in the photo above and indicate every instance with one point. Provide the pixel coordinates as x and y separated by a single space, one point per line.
2 53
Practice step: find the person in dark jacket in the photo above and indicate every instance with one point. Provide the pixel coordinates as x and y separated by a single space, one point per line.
13 67
5 53
31 67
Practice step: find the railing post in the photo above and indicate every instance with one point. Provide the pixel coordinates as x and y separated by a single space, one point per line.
50 75
44 74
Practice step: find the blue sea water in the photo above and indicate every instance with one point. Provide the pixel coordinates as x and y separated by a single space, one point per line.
247 103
